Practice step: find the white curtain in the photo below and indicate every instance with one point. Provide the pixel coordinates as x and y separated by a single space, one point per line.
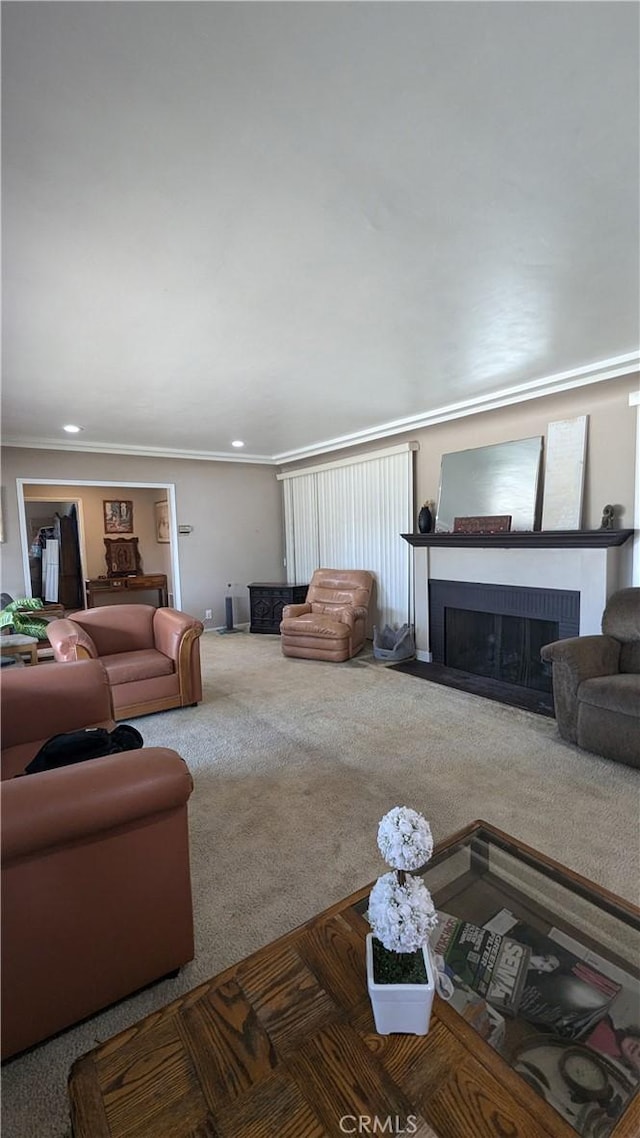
50 569
349 514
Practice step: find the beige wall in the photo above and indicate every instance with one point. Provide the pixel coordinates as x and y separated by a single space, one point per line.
235 510
610 465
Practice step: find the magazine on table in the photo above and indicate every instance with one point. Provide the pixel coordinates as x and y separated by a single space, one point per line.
568 989
617 1034
493 965
473 1008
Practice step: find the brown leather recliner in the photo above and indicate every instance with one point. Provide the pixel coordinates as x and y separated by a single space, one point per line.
331 624
596 683
151 656
96 888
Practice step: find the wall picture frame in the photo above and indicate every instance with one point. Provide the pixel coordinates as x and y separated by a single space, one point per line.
122 557
163 535
118 516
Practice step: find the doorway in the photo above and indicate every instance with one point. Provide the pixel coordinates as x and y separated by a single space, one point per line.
56 563
30 488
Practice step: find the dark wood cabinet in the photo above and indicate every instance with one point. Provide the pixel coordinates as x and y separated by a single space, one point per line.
267 600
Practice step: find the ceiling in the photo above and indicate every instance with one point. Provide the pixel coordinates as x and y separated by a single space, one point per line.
306 224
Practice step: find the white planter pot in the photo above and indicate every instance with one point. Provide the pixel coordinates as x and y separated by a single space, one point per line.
402 1008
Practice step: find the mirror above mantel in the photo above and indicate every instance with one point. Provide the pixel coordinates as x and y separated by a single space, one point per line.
502 479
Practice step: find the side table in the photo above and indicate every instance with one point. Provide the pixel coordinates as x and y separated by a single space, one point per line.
110 589
19 645
267 600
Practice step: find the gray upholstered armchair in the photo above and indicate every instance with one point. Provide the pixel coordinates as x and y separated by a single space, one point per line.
596 683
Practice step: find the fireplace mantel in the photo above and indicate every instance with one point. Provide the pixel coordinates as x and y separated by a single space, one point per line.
593 563
520 539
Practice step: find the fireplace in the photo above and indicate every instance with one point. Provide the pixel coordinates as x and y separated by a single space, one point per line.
490 636
505 648
579 569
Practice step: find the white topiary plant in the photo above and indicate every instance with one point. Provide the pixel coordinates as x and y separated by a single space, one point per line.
401 911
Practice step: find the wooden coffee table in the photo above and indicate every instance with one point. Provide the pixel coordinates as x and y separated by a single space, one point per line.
283 1043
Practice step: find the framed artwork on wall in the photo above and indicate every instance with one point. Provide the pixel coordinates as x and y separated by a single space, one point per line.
122 556
118 516
162 522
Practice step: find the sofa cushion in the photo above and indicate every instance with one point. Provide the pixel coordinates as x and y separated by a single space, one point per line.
619 693
15 759
118 628
125 667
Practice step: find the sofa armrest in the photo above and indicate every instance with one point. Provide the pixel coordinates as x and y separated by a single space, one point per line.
346 615
295 610
360 612
584 656
51 698
576 659
169 629
70 642
60 807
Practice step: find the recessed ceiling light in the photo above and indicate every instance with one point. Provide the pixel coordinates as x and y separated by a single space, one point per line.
237 443
72 429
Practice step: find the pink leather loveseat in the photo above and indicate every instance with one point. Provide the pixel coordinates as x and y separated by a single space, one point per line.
151 656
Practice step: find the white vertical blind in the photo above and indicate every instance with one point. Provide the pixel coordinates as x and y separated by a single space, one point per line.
301 528
349 515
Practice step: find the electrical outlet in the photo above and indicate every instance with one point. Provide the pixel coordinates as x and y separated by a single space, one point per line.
207 614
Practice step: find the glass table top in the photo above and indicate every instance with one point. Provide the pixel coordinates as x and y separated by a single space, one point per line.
546 968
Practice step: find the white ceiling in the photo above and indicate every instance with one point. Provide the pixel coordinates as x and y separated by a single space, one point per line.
293 223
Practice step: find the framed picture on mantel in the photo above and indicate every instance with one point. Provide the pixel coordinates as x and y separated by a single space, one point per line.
486 523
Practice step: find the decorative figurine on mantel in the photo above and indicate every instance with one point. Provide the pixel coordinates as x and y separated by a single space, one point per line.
425 517
608 517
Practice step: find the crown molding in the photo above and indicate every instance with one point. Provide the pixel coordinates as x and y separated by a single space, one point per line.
136 452
611 368
358 459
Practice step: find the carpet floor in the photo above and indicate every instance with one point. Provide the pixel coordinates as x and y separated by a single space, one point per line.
294 763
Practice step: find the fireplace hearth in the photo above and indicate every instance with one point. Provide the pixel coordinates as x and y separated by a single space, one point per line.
486 639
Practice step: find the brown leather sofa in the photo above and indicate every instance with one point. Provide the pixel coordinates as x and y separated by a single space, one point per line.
596 683
48 700
96 889
331 624
151 656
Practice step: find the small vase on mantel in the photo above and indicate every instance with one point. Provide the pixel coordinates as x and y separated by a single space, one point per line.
425 518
